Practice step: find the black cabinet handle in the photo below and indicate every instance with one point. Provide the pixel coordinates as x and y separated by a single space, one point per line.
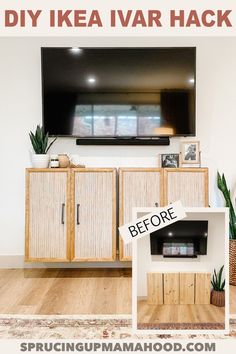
78 205
63 214
156 204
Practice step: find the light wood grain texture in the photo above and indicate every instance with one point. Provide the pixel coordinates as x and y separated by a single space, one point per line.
155 288
53 170
233 300
179 313
190 185
202 288
65 291
47 215
171 288
139 187
186 288
94 215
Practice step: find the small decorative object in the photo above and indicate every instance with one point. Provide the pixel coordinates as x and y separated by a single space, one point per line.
190 152
170 160
64 160
72 165
222 185
39 141
218 289
54 163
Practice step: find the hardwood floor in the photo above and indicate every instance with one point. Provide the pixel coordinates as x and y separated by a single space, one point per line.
65 291
232 300
88 291
179 313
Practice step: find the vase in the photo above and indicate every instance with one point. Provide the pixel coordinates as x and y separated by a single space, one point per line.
232 262
40 160
64 160
218 298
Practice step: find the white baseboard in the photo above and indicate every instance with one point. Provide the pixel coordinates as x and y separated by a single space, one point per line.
17 261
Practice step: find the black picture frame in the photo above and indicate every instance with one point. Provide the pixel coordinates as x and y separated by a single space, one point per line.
170 160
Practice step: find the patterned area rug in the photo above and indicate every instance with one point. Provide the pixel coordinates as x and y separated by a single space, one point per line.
183 326
59 327
80 327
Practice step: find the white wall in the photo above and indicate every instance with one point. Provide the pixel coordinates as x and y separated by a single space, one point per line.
214 258
20 111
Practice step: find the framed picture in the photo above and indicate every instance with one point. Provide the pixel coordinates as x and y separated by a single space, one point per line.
170 160
190 152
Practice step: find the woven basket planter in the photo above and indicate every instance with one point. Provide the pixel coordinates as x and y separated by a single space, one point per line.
218 298
232 262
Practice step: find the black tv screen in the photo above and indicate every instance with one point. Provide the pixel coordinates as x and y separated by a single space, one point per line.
182 238
119 92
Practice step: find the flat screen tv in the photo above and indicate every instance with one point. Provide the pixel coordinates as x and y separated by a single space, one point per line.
119 93
185 238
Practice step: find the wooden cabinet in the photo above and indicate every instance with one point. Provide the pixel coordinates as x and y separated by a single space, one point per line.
202 288
70 215
171 288
47 216
94 212
186 288
155 288
139 187
190 185
178 288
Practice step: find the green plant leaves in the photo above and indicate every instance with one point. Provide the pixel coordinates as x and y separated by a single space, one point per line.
223 286
39 141
216 281
34 143
50 144
222 185
220 276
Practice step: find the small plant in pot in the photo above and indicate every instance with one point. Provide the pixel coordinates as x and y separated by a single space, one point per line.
39 141
222 185
218 288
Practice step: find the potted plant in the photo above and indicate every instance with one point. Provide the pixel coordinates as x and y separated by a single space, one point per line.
218 289
39 141
222 185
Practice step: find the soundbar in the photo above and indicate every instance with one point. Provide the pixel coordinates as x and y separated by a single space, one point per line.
124 141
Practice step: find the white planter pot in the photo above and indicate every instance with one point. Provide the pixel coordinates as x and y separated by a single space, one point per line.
40 160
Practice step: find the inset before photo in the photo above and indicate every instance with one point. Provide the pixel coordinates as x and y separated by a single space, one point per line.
181 274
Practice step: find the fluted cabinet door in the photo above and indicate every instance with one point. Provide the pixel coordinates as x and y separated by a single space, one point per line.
94 215
47 214
190 185
139 187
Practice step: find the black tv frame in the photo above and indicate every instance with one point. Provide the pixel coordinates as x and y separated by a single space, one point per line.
199 241
129 140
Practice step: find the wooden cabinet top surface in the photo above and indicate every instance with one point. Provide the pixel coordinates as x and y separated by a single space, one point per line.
82 169
127 169
150 169
180 272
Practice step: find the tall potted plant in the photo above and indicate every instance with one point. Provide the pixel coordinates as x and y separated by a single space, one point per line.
222 185
218 288
39 141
